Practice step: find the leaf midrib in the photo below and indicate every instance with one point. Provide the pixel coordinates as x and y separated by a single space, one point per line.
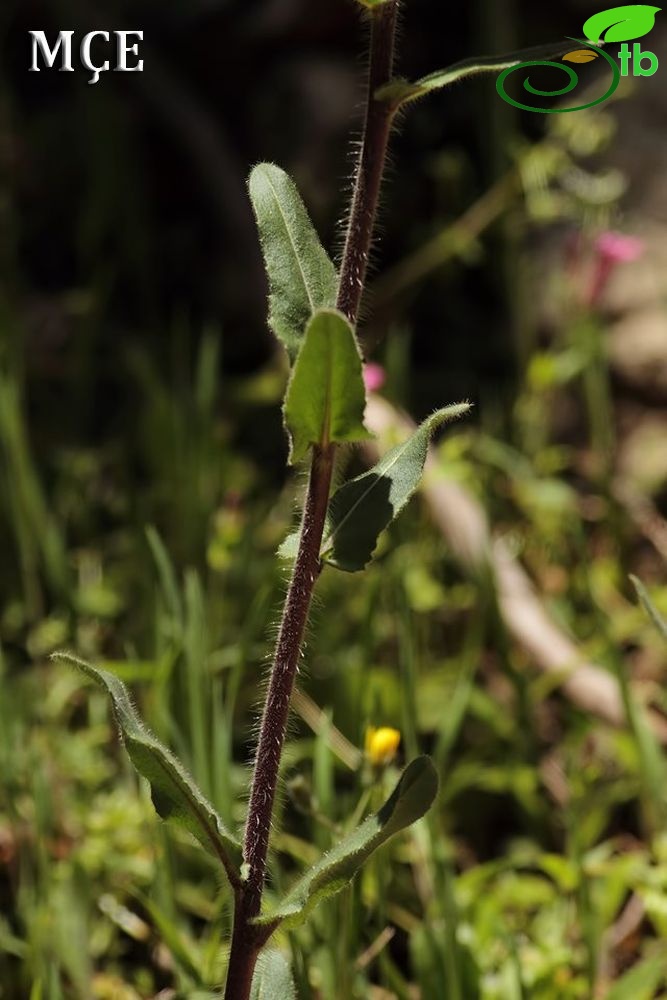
381 469
199 810
291 240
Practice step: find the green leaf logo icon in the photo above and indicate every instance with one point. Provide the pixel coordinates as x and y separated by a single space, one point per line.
621 24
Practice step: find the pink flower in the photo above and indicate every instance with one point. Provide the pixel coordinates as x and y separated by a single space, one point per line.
374 376
618 248
612 249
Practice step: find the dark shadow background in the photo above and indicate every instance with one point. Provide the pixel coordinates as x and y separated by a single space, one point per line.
128 197
126 232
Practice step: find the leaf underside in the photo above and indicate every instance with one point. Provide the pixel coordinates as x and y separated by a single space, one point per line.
326 398
409 801
301 276
175 795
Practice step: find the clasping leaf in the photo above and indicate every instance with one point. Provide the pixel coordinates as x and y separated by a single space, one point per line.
301 276
175 795
326 398
411 798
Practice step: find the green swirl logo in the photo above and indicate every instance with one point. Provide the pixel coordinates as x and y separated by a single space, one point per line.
573 80
619 24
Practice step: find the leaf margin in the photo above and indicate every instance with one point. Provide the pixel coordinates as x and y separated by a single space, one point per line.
289 307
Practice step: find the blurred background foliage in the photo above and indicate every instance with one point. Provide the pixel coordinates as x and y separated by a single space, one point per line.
143 496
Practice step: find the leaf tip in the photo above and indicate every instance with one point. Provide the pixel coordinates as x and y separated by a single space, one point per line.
415 792
65 656
423 770
448 414
263 167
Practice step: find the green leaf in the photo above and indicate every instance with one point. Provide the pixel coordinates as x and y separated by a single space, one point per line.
641 982
326 398
273 978
650 607
621 24
174 793
301 276
399 92
411 798
365 506
290 546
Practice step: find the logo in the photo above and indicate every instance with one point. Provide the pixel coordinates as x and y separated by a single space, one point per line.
126 52
619 24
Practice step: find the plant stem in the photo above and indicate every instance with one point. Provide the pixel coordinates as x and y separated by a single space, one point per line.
288 649
370 167
247 939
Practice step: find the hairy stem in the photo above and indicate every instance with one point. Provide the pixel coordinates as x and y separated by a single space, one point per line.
288 650
247 939
370 168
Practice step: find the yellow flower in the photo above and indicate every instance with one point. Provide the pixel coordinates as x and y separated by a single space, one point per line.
381 745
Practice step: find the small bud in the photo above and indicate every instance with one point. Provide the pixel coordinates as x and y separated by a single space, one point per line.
381 745
374 376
